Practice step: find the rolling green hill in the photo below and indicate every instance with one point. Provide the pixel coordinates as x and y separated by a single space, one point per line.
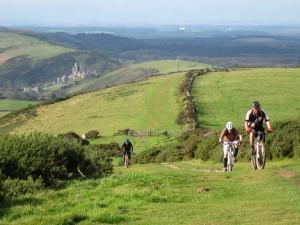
152 104
227 95
135 72
14 45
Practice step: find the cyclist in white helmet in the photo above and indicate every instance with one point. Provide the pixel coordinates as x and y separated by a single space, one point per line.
230 134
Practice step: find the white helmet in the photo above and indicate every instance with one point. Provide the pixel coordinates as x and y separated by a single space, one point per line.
229 125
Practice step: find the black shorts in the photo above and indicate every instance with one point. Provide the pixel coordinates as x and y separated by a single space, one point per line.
259 134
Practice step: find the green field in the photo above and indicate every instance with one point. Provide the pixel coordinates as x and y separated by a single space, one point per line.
135 72
140 143
9 105
227 96
168 66
152 104
168 194
20 45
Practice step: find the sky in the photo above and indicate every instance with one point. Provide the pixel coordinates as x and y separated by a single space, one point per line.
149 12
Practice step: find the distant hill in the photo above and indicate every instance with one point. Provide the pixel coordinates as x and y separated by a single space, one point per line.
17 45
225 48
26 61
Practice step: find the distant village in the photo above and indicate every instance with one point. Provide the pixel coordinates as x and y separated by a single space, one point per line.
76 75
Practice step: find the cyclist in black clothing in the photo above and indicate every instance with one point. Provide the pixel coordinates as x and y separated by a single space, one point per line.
254 120
127 148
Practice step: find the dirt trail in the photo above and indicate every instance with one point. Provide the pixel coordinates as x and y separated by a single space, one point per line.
286 173
174 167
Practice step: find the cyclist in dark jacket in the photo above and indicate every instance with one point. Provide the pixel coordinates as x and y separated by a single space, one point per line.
127 148
254 121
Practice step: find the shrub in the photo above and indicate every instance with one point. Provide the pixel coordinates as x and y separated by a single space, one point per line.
93 134
284 142
74 137
14 187
2 192
297 148
180 118
99 163
206 148
43 156
170 154
126 131
148 156
112 149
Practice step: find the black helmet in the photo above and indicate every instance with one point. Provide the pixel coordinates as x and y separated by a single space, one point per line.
255 105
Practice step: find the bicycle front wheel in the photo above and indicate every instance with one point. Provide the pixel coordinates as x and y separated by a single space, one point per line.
126 162
253 158
261 156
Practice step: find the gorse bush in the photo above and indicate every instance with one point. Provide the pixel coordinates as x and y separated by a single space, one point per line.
207 148
14 187
92 134
38 155
285 141
148 156
99 163
45 157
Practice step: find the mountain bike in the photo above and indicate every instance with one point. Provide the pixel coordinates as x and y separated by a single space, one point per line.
258 158
126 160
230 154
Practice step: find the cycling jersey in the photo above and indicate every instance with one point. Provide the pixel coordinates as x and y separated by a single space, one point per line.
226 136
255 121
127 147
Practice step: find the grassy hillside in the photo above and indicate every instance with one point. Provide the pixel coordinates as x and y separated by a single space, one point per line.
168 194
135 72
152 104
227 96
9 105
13 45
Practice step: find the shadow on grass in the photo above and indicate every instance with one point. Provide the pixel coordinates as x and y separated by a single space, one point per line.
110 219
6 205
74 219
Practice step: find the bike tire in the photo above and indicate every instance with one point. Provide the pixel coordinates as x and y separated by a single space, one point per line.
126 161
261 157
253 161
229 161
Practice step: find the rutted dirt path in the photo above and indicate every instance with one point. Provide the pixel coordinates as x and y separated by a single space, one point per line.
174 167
286 173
